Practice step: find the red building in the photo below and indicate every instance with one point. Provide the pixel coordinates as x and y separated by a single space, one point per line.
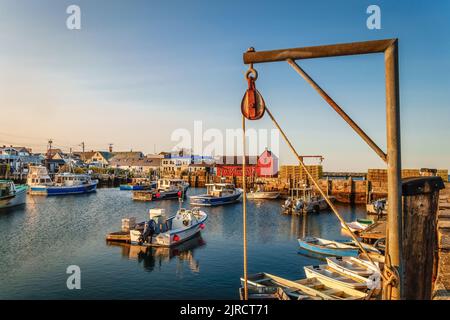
265 165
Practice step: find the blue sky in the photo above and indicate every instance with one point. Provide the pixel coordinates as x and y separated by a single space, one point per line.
138 70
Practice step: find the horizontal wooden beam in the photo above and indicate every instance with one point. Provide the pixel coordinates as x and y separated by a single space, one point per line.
334 50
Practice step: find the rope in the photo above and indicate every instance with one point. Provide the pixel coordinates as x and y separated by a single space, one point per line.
244 210
333 208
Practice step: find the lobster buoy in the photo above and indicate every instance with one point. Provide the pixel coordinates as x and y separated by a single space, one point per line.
179 194
202 226
176 238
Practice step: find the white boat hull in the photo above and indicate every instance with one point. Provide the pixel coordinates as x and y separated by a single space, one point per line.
263 195
17 200
170 237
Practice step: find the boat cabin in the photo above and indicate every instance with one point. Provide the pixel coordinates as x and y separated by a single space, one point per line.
170 184
38 175
69 179
220 189
7 188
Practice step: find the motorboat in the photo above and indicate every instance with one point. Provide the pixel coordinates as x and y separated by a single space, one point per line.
162 231
165 189
217 194
12 195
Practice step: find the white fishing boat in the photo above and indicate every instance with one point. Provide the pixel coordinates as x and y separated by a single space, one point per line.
358 225
217 194
165 189
255 195
11 195
162 231
332 276
260 193
38 180
64 183
353 266
307 202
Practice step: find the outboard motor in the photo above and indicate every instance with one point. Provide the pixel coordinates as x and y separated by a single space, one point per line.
149 231
299 205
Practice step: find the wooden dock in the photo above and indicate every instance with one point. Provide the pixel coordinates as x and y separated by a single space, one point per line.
374 232
441 289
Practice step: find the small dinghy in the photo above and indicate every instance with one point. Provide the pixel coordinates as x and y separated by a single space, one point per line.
332 276
162 231
353 266
358 225
335 292
328 247
304 289
266 293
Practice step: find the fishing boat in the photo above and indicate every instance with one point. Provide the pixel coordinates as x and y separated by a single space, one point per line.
162 231
304 289
11 195
38 180
165 189
217 194
307 202
64 183
138 186
328 247
261 193
353 266
330 275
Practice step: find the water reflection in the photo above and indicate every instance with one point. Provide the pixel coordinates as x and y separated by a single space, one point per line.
156 257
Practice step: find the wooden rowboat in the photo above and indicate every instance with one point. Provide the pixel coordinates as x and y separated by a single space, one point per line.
333 277
264 293
352 266
304 289
328 247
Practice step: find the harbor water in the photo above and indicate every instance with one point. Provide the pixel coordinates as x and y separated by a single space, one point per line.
40 240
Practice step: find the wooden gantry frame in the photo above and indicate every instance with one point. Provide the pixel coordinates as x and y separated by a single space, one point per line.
392 157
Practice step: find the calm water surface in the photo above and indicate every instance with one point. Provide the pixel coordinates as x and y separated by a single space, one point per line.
40 240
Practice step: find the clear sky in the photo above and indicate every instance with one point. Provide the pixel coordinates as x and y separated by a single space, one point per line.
138 70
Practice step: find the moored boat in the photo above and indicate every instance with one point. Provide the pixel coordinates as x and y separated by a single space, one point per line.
332 276
11 195
261 193
357 226
353 266
304 289
328 247
162 231
64 183
165 189
138 186
217 194
38 180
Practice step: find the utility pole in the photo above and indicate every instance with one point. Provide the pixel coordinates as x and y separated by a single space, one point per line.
49 147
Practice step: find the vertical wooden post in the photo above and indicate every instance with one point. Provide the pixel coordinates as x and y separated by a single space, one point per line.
420 205
394 219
